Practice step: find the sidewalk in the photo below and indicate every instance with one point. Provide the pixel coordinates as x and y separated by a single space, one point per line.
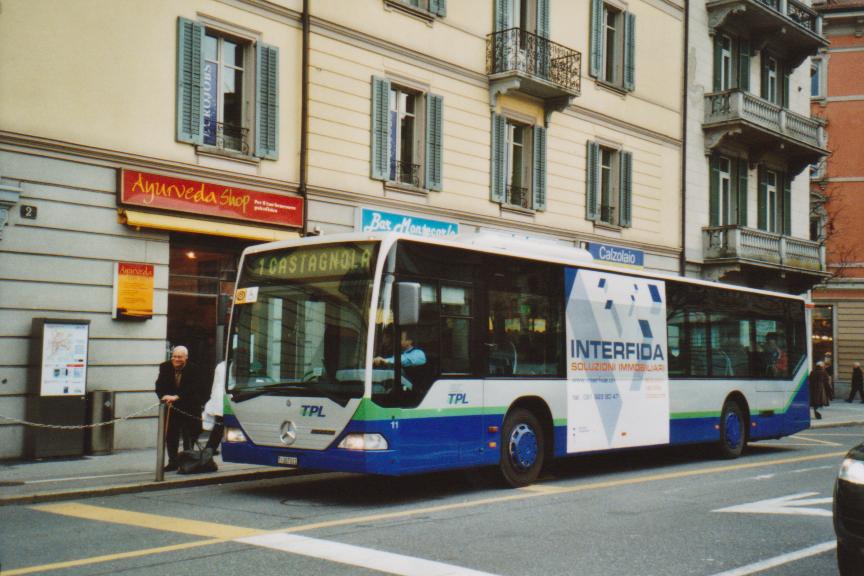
23 482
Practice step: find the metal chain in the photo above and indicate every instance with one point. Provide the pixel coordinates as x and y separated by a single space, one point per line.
83 426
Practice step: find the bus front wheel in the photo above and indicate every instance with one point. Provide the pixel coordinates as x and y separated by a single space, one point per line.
733 430
522 448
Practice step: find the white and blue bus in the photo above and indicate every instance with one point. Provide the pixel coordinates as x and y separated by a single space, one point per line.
390 354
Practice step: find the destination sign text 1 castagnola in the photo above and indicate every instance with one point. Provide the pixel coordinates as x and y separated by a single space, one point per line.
208 199
312 262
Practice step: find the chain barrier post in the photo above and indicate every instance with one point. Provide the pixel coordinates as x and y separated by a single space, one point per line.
160 443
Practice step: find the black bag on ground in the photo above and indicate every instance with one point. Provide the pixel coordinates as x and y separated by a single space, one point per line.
196 462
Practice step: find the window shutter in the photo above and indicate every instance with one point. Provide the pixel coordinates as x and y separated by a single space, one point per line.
539 158
626 201
742 192
438 7
502 15
434 141
499 157
380 128
762 200
744 64
764 77
596 60
267 102
543 48
784 69
592 179
629 51
714 193
190 74
787 204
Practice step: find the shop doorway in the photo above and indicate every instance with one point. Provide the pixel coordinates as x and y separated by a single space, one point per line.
201 277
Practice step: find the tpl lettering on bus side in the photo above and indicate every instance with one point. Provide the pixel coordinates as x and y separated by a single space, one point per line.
457 398
309 410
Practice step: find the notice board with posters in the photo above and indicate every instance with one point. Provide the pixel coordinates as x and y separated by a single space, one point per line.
133 291
57 387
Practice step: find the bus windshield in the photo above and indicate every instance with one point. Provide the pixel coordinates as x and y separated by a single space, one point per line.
300 322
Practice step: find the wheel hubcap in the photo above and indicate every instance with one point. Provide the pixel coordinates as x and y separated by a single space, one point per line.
523 447
733 430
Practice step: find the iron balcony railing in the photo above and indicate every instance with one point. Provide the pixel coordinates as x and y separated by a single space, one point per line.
607 214
405 173
227 137
738 105
801 14
741 243
518 196
517 50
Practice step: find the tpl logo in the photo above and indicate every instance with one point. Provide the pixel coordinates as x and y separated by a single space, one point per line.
310 410
457 398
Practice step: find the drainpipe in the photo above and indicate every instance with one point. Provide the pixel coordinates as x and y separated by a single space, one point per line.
304 118
684 101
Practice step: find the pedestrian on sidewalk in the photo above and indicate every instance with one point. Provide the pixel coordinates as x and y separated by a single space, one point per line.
857 382
818 379
213 410
829 369
181 386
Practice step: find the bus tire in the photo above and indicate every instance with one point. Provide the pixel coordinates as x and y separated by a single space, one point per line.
523 448
733 430
848 559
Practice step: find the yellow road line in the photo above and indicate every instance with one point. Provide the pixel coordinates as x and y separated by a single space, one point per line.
152 521
816 440
538 490
108 558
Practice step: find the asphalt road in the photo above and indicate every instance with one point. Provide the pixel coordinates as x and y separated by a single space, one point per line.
652 512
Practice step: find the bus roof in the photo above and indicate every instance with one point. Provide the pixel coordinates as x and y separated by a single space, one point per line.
508 245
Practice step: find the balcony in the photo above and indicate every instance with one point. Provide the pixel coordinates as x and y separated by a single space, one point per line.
738 117
227 137
405 173
525 62
734 248
787 27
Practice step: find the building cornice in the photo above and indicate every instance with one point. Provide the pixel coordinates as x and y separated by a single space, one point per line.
108 158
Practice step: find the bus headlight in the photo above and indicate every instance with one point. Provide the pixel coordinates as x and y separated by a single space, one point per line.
852 471
234 435
364 442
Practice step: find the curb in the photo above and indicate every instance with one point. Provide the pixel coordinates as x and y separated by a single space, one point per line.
821 424
152 486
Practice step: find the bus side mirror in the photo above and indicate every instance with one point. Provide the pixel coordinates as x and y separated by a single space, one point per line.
409 303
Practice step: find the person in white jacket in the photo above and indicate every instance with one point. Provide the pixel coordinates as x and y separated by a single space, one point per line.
213 410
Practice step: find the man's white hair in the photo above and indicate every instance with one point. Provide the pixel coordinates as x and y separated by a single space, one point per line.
182 349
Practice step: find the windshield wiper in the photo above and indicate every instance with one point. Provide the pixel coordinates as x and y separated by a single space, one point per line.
275 389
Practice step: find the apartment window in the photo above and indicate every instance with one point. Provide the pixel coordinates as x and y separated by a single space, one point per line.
428 8
817 67
220 105
224 92
407 134
613 48
609 185
725 62
775 195
728 191
405 137
775 81
518 174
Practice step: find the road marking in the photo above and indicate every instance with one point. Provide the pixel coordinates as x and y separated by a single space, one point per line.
152 521
110 557
521 495
795 505
46 481
386 562
817 441
780 560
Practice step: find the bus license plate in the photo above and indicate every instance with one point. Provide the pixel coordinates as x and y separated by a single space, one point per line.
287 460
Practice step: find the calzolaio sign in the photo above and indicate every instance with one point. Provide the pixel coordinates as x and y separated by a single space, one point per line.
206 199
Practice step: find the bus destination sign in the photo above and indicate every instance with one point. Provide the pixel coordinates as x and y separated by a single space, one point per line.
313 262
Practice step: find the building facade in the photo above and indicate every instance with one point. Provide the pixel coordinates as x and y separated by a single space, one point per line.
166 137
749 140
837 92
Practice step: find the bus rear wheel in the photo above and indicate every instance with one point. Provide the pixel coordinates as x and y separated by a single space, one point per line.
733 430
523 448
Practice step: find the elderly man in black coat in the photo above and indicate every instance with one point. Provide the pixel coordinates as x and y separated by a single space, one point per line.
181 385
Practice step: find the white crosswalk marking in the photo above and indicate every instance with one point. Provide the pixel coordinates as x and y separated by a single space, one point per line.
386 562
